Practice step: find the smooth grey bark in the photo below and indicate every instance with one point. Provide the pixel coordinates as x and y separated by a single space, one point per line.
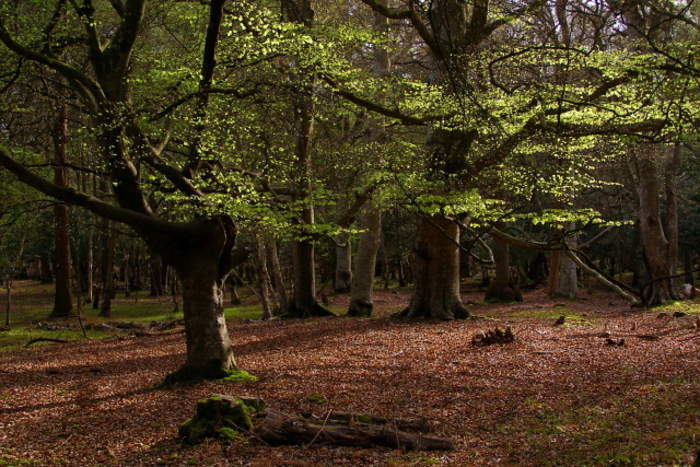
567 285
361 303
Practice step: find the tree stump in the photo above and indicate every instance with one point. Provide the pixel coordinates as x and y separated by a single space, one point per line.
495 336
230 418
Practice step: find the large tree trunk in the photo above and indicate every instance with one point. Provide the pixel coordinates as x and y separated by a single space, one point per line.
63 302
365 263
343 264
437 294
671 218
201 262
652 235
502 288
566 284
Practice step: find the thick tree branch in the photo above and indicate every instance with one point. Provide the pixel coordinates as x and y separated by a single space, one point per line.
134 219
96 93
380 109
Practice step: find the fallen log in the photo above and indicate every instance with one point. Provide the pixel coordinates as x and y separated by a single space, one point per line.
408 424
44 339
231 418
281 428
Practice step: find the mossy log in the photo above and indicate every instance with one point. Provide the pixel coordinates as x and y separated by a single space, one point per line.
280 428
230 418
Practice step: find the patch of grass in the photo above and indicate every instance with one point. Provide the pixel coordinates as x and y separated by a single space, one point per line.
571 318
655 424
685 306
17 337
8 458
240 313
319 399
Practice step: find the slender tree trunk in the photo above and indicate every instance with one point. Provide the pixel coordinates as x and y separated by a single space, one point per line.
106 269
437 294
63 302
89 265
263 278
126 270
361 303
277 276
156 274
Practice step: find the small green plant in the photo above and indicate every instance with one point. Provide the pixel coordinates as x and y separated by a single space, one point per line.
316 399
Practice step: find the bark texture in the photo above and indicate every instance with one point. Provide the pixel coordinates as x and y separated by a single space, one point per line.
504 286
361 303
437 294
63 301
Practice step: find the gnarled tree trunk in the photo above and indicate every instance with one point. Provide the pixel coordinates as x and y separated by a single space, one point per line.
201 262
437 294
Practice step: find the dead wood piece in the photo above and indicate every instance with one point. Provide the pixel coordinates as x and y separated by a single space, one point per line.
495 336
165 325
647 337
44 339
407 424
615 342
280 428
229 418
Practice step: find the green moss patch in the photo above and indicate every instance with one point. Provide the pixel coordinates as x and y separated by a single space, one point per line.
239 376
218 416
316 399
571 318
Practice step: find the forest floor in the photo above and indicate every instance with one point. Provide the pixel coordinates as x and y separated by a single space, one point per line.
557 395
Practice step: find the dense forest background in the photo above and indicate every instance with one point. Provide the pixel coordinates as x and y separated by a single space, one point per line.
292 152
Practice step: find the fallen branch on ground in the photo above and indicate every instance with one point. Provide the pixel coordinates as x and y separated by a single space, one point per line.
44 339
